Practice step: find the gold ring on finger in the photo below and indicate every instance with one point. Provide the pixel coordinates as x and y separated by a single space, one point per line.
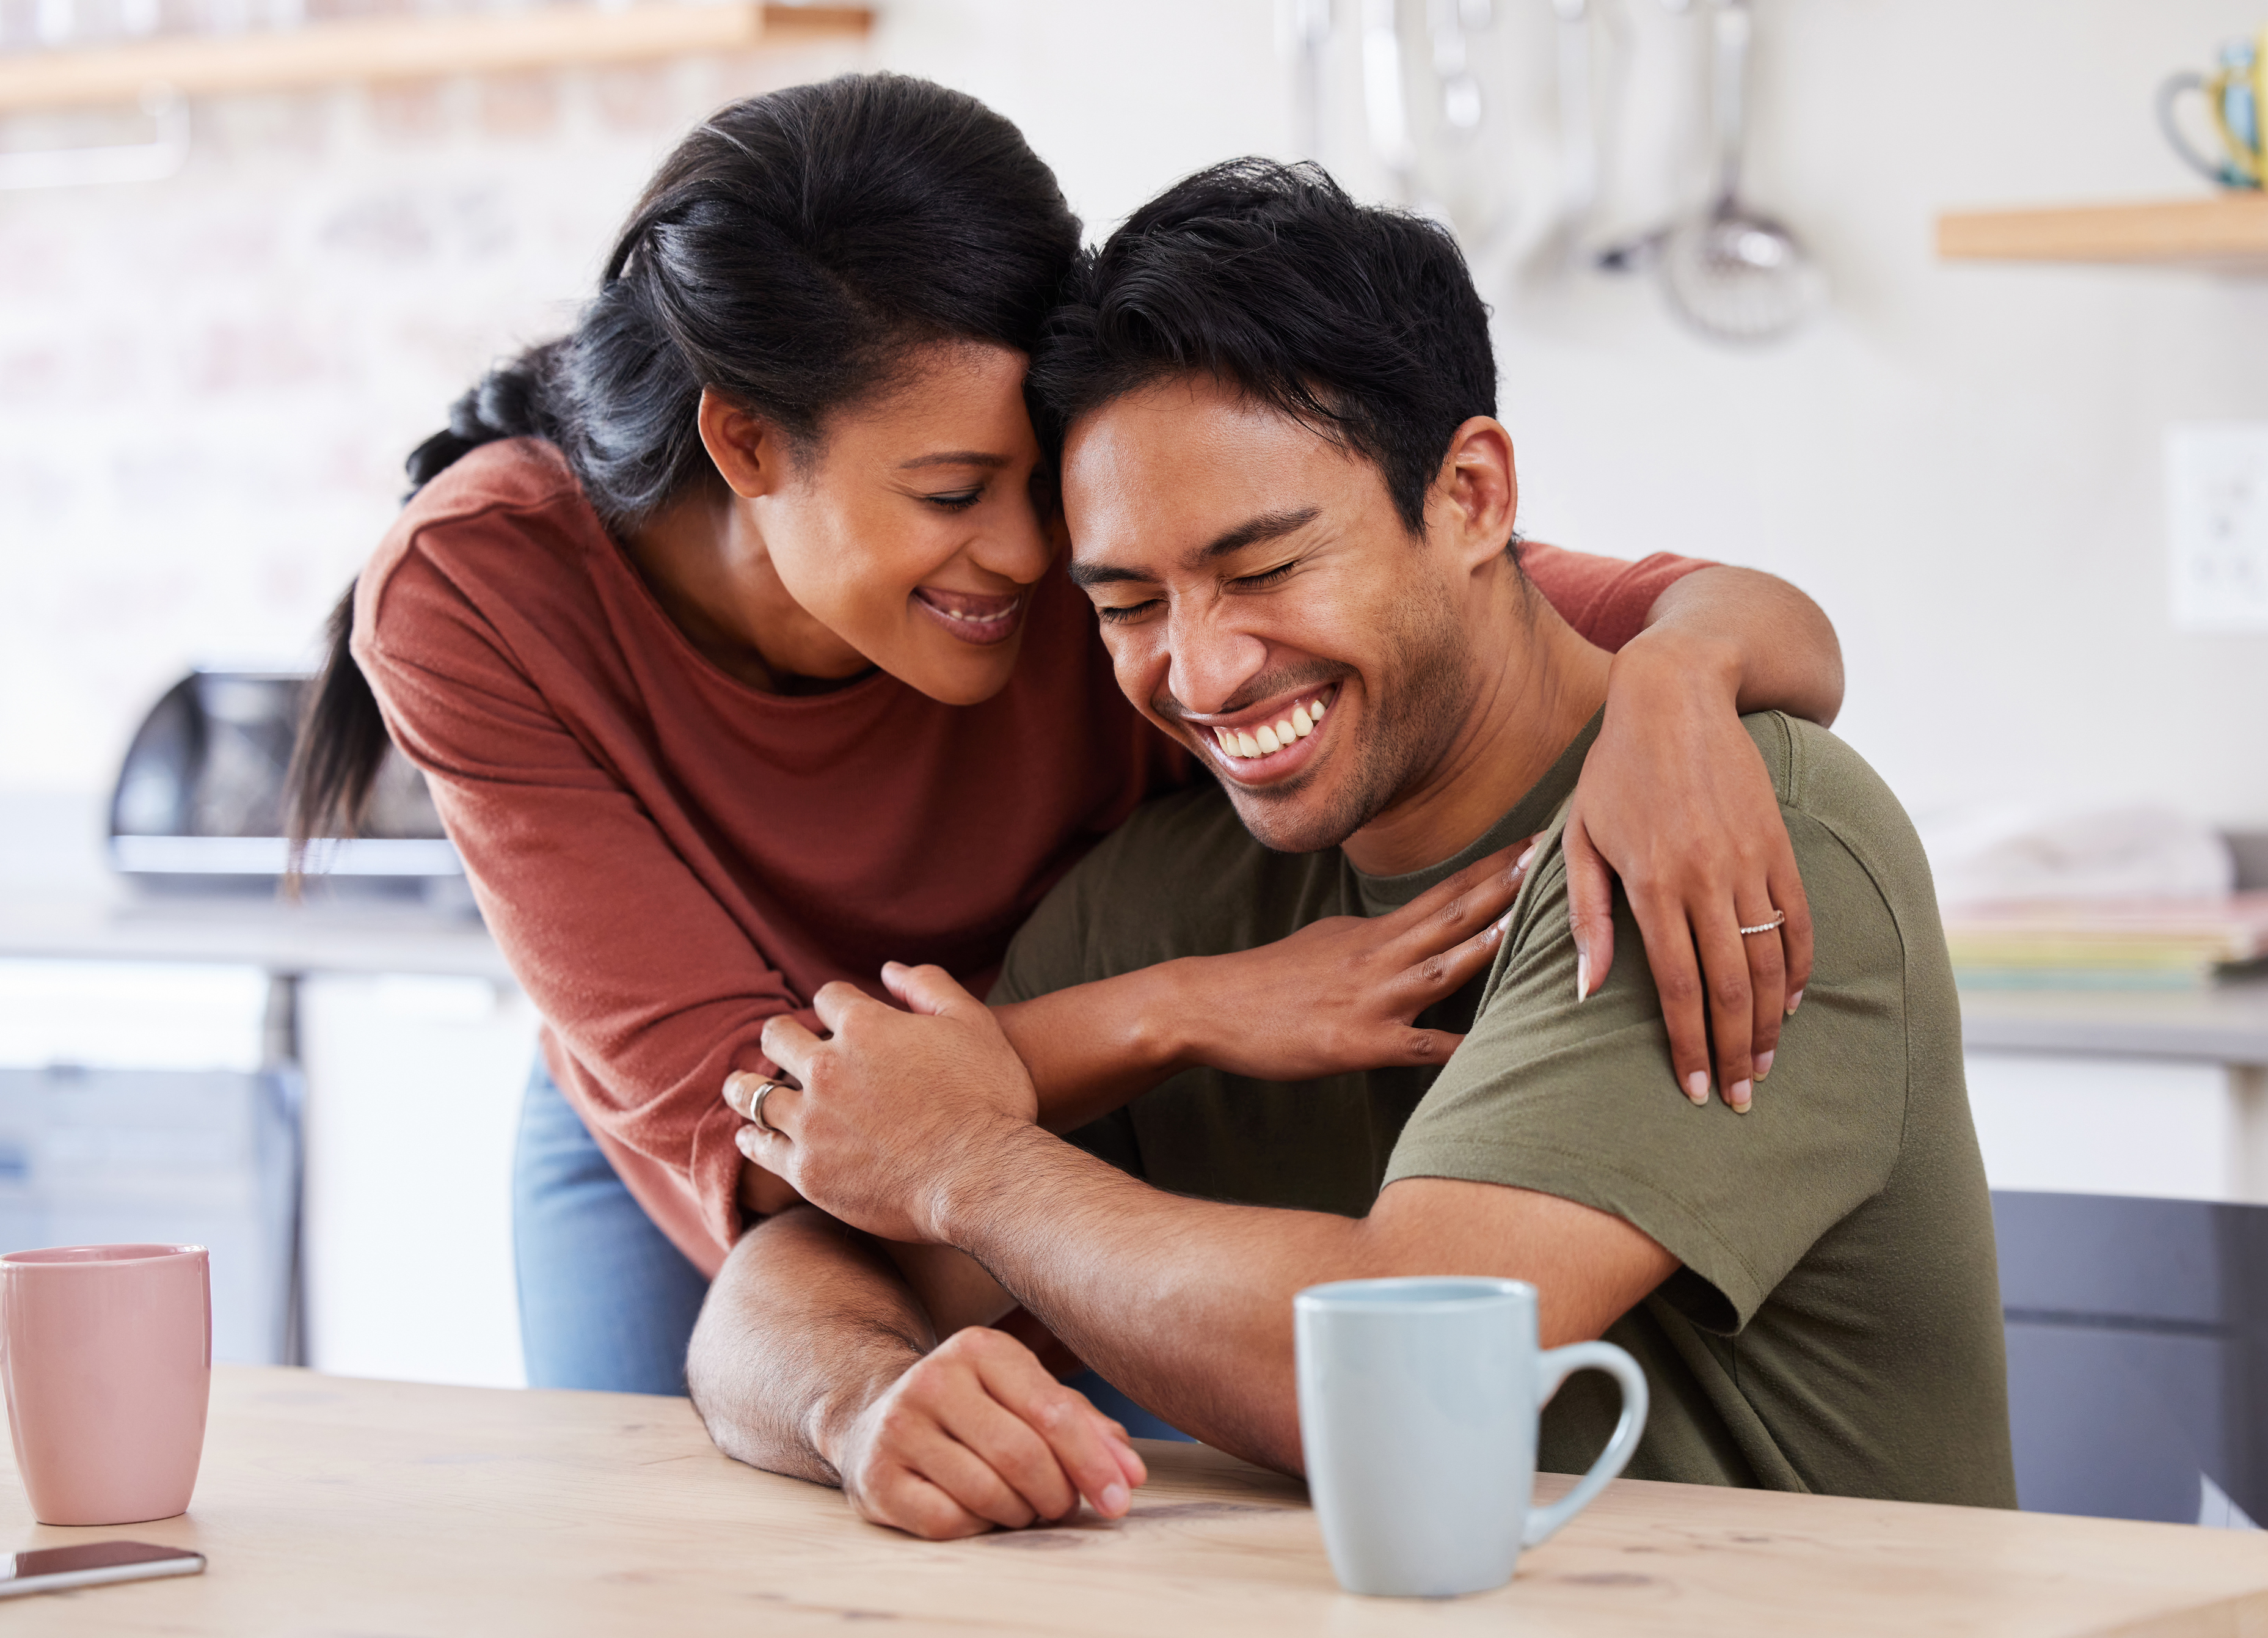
1779 915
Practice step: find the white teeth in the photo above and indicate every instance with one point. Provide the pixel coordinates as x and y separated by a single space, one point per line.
1272 737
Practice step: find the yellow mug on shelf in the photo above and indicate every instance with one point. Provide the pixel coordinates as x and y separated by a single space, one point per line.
2234 95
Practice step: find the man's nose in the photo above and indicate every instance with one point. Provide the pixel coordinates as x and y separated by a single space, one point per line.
1209 658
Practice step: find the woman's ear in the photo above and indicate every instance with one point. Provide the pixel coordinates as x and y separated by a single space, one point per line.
749 453
1476 491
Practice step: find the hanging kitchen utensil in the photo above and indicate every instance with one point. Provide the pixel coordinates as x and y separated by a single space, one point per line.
1733 273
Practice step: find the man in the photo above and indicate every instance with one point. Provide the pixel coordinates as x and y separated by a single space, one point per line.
1291 506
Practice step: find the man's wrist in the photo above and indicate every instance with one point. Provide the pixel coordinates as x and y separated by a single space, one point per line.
829 1421
996 1160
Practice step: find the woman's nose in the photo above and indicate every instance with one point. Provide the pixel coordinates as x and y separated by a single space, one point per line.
1023 545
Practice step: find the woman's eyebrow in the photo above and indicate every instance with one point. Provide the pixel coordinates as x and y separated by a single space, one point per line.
954 458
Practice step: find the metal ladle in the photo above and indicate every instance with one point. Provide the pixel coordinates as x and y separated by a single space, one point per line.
1733 273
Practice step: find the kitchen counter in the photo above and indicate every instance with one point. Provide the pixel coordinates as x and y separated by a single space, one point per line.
59 900
2228 1024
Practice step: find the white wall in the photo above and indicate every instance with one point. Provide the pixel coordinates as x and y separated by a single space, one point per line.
1963 462
206 384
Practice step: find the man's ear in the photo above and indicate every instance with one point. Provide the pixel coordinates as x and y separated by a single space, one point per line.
749 453
1476 492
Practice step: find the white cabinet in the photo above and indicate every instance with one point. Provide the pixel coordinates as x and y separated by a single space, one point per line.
413 1097
2176 1129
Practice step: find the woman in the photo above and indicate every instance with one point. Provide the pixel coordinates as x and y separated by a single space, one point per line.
725 630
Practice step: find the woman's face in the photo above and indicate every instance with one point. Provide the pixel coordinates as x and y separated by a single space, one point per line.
910 538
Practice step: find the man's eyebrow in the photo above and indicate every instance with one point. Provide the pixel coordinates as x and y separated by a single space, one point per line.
956 458
1252 532
1267 526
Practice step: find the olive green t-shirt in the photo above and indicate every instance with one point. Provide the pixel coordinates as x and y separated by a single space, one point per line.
1835 1323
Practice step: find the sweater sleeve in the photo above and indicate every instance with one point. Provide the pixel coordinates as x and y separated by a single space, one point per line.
651 986
1605 598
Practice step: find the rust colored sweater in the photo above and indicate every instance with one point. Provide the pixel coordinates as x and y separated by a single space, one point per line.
668 856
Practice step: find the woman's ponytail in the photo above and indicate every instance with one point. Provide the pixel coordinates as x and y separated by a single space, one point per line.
340 746
511 400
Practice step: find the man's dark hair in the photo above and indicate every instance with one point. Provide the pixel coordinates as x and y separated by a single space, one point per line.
1362 323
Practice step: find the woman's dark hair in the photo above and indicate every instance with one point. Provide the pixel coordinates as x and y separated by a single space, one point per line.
1363 323
788 254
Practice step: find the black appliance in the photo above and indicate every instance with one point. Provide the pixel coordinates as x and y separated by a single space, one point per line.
199 805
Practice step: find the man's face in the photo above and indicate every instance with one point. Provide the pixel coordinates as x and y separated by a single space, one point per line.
1264 605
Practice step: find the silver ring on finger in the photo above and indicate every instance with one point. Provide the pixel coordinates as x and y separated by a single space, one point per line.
756 1111
1773 925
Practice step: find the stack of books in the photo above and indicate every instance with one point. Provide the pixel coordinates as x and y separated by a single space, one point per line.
2118 944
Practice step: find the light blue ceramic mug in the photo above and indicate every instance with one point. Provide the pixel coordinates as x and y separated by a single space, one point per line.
1418 1401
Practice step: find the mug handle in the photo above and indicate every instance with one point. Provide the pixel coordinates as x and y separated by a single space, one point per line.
2224 172
1553 1368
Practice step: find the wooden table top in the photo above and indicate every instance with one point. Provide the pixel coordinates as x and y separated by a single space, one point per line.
333 1506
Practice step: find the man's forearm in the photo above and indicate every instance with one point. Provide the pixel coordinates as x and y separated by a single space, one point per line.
805 1326
1776 647
1184 1305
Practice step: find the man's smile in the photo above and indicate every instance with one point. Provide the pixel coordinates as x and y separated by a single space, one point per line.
1268 742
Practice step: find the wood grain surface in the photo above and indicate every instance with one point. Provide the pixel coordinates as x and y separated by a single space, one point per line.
2227 229
332 1506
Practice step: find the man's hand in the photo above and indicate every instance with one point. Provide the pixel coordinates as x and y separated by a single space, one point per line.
976 1433
889 1107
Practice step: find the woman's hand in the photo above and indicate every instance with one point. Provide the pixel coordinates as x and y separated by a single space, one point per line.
1675 800
1339 995
977 1435
1343 995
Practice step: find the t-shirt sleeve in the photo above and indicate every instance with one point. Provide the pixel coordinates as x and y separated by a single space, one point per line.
1577 1099
653 988
1605 598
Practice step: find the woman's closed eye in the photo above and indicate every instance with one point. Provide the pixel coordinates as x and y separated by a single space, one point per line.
957 500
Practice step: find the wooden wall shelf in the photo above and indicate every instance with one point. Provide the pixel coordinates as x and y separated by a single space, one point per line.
410 48
2229 231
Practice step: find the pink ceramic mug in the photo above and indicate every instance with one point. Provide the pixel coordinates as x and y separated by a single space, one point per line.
106 1351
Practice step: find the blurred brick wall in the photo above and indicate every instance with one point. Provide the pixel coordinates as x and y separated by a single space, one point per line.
208 384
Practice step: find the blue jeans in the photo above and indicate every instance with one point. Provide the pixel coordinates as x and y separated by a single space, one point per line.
605 1300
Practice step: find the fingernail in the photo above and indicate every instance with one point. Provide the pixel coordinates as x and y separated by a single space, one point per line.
1582 977
1740 1097
1114 1498
1763 1063
1519 865
1697 1086
1795 1001
1504 922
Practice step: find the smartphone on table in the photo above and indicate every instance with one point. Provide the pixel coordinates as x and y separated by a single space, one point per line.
89 1564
